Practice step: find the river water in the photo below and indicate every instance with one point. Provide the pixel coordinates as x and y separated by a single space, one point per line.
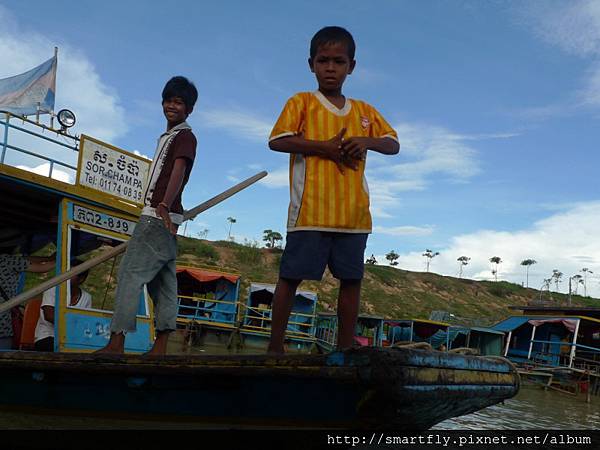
532 408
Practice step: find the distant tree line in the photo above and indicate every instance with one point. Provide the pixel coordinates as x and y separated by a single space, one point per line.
463 261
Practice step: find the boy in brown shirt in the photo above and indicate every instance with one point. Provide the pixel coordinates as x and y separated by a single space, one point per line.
152 250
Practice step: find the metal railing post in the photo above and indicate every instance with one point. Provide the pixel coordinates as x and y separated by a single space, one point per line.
5 138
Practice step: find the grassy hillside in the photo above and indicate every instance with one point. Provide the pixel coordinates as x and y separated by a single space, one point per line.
387 291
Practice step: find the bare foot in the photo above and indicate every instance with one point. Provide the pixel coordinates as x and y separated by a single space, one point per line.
153 352
115 346
160 344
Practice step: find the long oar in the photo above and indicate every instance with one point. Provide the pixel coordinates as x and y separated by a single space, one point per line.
92 262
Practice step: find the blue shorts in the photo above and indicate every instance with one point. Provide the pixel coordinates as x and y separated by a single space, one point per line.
307 253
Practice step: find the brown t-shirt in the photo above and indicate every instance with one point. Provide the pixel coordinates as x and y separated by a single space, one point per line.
182 146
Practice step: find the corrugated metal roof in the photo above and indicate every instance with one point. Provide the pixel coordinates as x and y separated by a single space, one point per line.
487 330
511 323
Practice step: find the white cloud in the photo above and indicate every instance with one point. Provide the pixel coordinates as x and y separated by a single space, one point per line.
429 154
566 241
573 27
589 94
239 123
44 169
277 178
406 230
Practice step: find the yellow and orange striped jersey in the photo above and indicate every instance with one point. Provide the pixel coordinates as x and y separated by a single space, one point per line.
321 197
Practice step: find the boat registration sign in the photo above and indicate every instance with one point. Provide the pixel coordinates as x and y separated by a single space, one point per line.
102 220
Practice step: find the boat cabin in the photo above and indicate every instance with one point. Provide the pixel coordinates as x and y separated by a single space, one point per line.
256 318
207 296
368 332
77 196
556 341
485 340
415 330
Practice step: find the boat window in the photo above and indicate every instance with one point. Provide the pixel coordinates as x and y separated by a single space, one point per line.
101 280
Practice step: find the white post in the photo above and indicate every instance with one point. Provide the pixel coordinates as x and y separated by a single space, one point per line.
574 342
531 342
507 343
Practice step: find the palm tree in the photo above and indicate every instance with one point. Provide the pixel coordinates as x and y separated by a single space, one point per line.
556 276
231 221
545 285
462 261
429 254
527 263
585 271
495 260
578 279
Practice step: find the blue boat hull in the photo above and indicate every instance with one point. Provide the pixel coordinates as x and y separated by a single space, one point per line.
363 388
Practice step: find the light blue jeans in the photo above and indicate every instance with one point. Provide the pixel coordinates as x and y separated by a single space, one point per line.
149 260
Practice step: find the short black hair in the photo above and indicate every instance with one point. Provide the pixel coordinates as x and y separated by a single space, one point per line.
181 87
330 35
74 263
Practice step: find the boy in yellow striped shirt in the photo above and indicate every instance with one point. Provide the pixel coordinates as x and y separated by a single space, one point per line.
327 136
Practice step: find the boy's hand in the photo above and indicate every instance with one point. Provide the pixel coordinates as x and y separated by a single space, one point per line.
333 149
355 148
163 212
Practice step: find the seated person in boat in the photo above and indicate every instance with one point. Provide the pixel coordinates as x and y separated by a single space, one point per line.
11 267
44 330
150 256
327 136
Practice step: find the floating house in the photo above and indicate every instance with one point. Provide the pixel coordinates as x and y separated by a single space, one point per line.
208 307
415 330
255 326
207 297
368 332
562 340
486 341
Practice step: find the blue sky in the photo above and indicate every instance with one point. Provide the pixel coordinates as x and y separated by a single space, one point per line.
497 107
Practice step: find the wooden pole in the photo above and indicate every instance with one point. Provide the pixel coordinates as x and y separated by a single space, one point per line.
508 338
531 343
111 253
574 346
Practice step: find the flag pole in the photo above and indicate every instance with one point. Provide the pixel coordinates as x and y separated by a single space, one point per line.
114 251
55 73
